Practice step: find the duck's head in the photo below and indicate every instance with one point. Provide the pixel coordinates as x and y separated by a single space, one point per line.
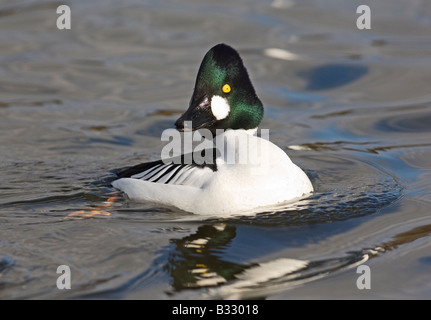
223 97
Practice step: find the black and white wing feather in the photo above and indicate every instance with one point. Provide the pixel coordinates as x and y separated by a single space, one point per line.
181 170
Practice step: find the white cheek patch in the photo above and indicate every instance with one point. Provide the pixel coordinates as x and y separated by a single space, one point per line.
219 107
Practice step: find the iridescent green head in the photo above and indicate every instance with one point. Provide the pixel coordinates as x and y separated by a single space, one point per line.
223 97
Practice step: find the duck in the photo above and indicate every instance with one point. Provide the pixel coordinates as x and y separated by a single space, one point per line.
242 172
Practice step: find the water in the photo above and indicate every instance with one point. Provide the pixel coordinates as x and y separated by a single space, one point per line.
351 107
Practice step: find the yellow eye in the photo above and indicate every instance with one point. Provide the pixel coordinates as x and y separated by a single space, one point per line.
226 88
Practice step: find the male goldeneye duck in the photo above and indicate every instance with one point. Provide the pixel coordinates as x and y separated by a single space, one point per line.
245 174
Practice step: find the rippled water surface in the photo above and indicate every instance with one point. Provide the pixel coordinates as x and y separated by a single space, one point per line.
351 107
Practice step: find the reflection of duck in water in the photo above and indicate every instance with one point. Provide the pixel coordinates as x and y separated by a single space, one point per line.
197 262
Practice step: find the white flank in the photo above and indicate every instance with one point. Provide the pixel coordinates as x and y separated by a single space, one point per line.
219 107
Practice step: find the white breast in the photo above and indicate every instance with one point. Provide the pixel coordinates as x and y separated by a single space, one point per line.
268 177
